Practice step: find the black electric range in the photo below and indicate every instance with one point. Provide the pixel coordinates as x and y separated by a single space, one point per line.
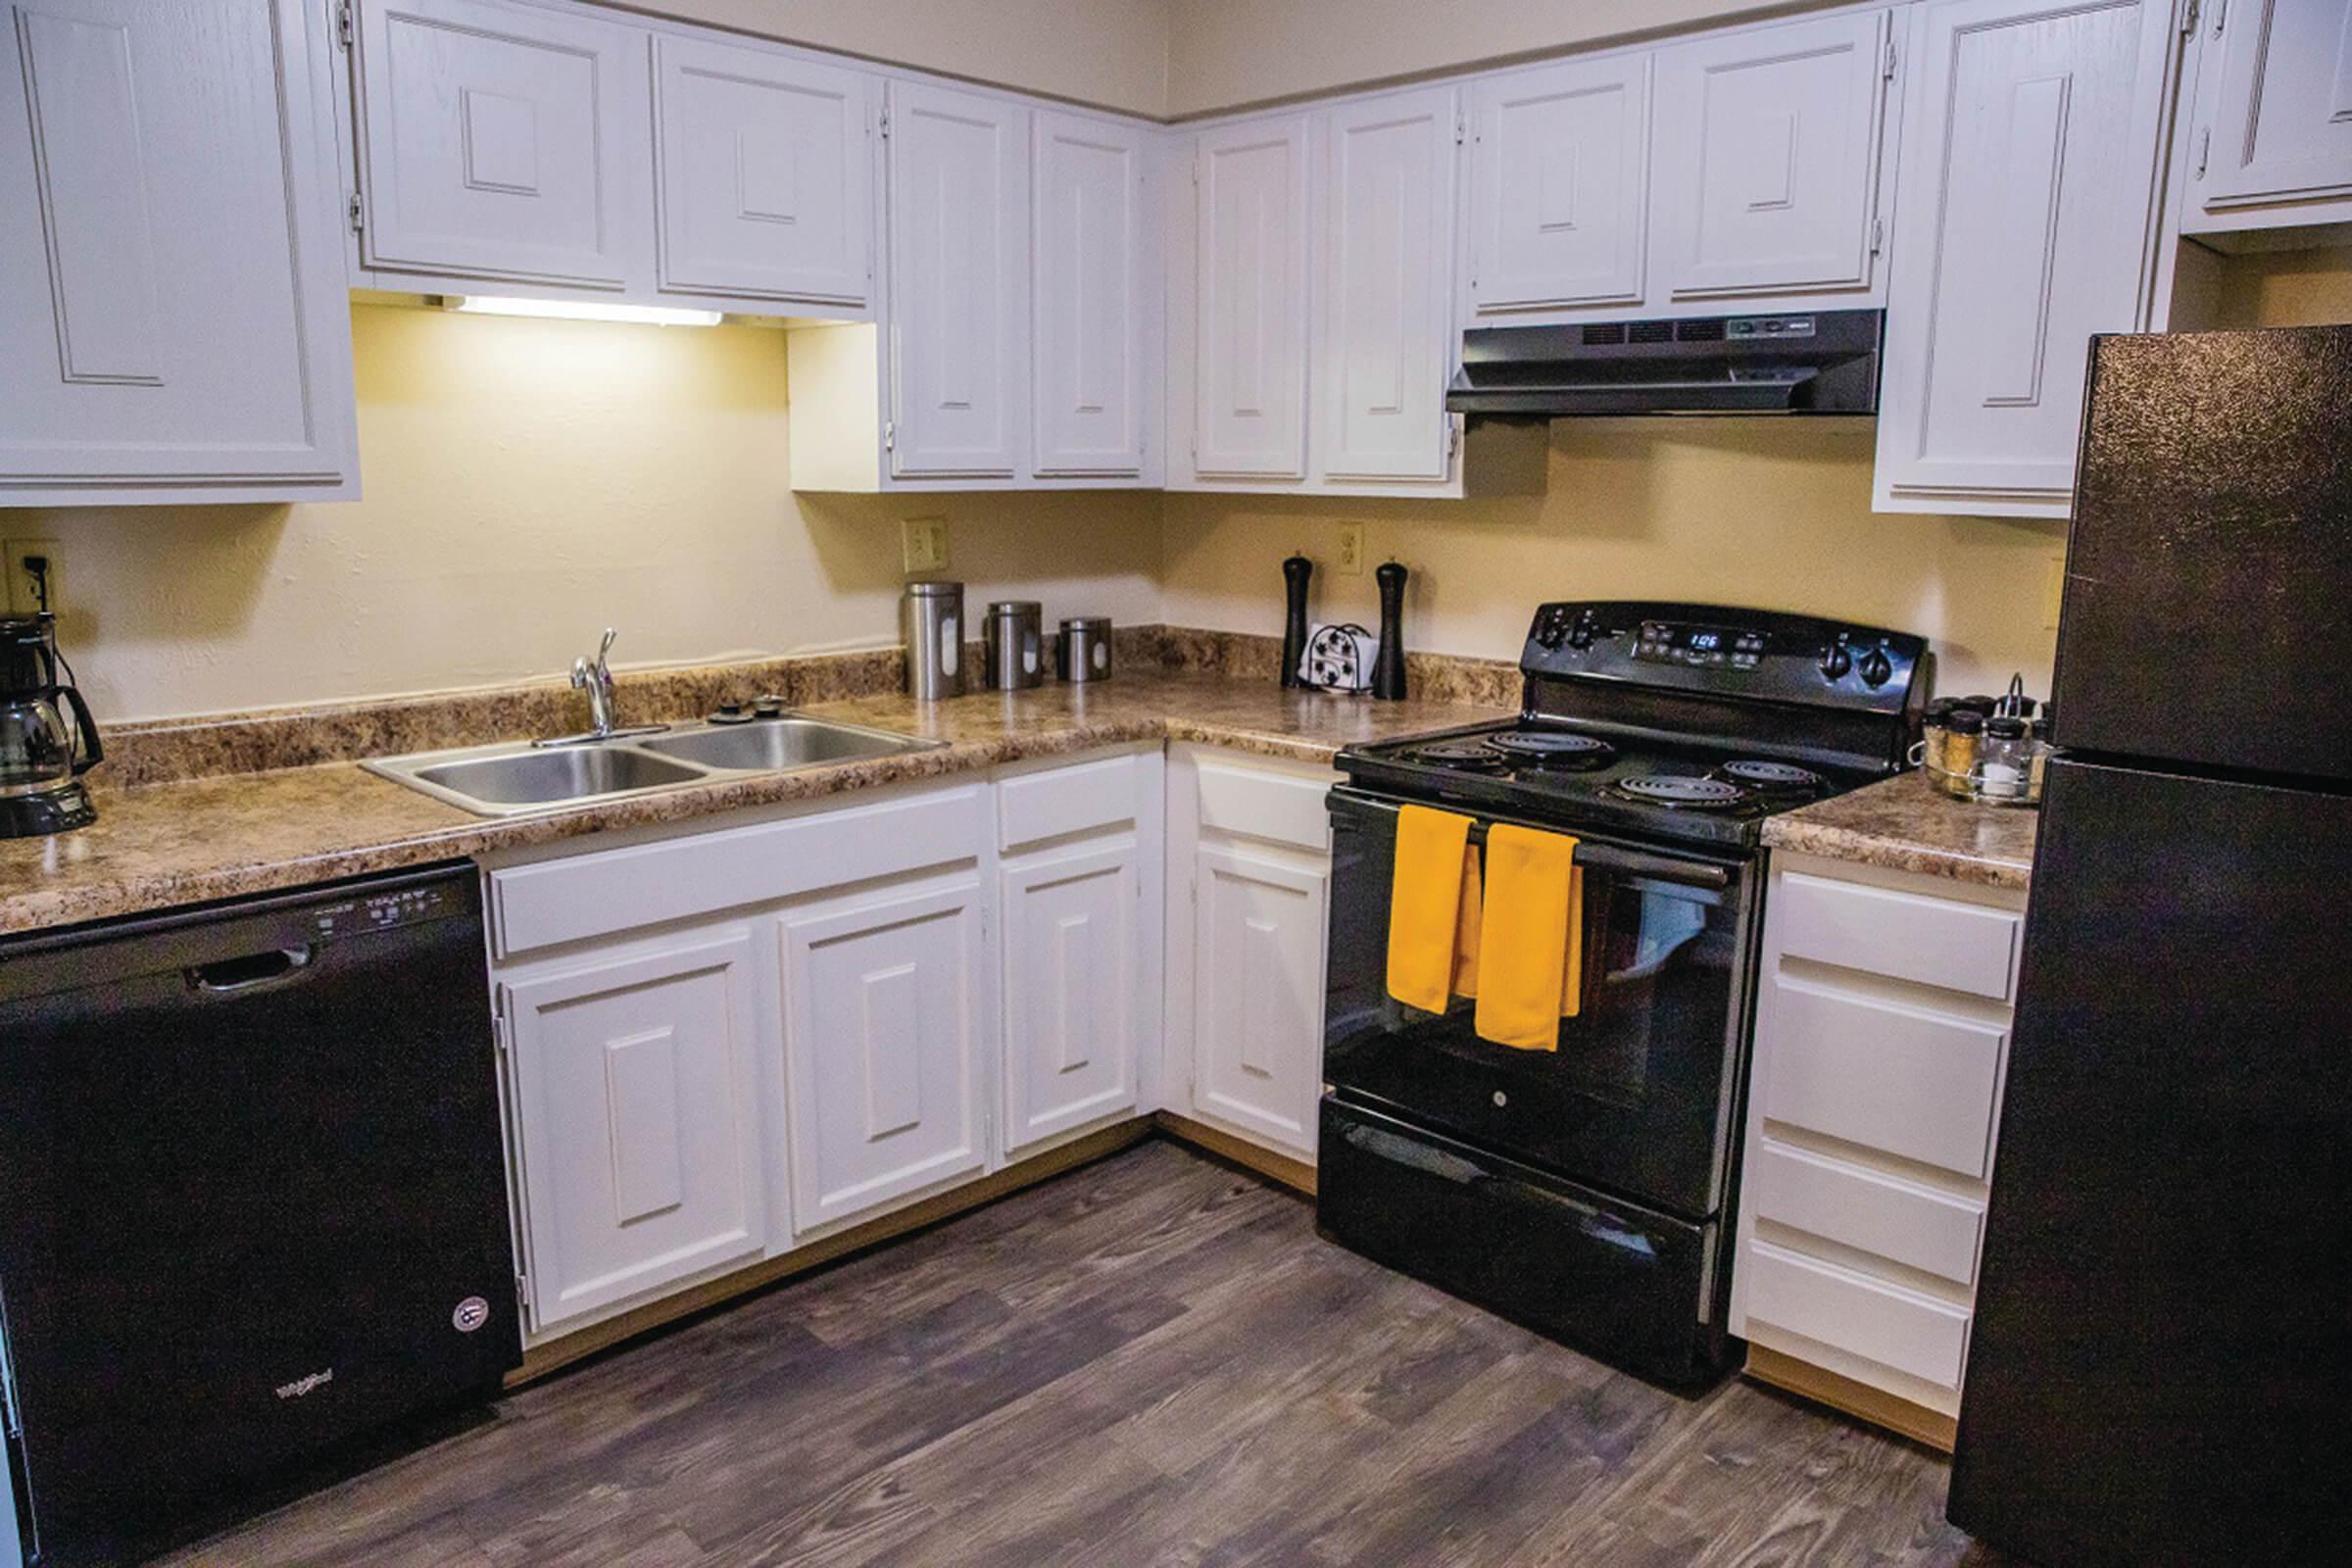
1588 1189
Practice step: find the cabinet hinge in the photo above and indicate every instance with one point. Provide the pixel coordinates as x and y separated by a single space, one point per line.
2204 150
344 24
890 435
522 1290
502 1034
886 123
1461 130
1878 235
359 220
2221 12
1891 59
1453 438
2189 16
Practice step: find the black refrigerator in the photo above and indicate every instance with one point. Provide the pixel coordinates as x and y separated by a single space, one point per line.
2157 1369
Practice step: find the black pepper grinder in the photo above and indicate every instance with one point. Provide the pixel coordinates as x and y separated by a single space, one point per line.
1295 572
1387 669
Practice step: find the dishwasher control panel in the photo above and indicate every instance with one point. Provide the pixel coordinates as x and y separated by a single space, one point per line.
381 911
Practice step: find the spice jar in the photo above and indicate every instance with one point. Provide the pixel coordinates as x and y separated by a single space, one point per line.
2042 749
1933 731
2005 761
1963 735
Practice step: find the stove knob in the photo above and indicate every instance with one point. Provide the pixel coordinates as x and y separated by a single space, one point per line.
1835 660
1582 637
1553 632
1877 667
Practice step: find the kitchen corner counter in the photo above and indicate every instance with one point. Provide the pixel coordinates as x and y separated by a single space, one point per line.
190 840
1904 825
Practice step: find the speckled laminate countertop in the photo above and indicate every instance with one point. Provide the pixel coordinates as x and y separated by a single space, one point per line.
192 840
1905 825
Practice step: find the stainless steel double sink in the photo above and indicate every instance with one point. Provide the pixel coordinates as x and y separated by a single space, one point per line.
517 776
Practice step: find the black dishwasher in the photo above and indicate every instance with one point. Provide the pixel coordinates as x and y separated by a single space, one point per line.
252 1196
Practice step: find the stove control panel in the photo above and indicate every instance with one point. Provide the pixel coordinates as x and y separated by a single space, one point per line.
1716 649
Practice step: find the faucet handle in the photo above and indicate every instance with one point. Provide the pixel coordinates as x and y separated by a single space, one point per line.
605 647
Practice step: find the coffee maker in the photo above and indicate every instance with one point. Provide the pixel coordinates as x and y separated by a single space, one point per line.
41 759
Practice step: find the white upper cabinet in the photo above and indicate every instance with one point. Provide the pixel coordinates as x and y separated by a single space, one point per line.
1388 339
1092 339
172 314
1767 157
504 142
959 283
1252 327
1559 187
766 172
2273 114
2029 178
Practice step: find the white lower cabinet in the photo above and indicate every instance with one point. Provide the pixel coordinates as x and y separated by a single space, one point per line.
723 1045
1881 1037
635 1077
1249 840
886 1032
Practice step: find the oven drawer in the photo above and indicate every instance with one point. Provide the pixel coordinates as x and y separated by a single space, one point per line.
1561 1258
1902 1079
1930 942
1931 1231
1870 1317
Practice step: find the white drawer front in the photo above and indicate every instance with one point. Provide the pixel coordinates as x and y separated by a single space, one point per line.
1911 1082
1867 1209
1251 802
1934 942
1085 797
550 902
1871 1318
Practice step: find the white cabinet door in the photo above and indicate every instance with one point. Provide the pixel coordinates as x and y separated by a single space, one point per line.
172 314
1250 349
959 283
2281 123
1072 1012
1388 340
765 174
1092 348
2027 179
1559 175
1258 995
885 1032
1767 159
504 141
636 1080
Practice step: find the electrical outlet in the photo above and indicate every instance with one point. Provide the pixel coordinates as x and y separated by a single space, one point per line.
34 582
926 543
1349 561
2053 592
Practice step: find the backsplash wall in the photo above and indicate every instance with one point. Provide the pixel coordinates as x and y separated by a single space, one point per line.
527 483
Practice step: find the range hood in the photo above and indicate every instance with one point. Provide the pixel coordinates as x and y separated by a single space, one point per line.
1816 361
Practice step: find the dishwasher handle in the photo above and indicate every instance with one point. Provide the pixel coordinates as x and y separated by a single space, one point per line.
232 977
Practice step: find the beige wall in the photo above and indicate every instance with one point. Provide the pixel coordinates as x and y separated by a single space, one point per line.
1226 53
1112 53
1744 511
527 483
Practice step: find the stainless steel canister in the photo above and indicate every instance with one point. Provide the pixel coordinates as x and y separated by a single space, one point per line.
1013 645
1084 652
931 622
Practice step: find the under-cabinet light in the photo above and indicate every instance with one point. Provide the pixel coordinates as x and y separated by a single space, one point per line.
579 309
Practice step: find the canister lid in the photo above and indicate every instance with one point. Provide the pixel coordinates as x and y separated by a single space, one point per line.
1016 606
1086 623
934 588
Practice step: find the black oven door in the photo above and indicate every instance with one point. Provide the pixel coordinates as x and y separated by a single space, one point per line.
1639 1097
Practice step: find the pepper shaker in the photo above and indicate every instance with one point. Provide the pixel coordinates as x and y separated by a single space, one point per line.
1295 572
1387 669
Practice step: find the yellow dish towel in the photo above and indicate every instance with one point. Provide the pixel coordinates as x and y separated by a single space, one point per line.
1435 867
1531 938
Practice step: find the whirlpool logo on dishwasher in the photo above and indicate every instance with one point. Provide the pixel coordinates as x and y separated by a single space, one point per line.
305 1385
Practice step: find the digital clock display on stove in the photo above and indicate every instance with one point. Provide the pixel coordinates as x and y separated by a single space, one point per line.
1715 647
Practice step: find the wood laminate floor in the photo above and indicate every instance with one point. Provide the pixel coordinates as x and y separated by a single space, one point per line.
1151 1360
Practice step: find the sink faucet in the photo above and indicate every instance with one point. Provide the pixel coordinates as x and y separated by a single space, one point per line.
595 677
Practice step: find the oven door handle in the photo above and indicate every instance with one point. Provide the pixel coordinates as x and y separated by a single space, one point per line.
1632 863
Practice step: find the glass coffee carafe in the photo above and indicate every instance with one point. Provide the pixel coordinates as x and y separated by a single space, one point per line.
42 756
